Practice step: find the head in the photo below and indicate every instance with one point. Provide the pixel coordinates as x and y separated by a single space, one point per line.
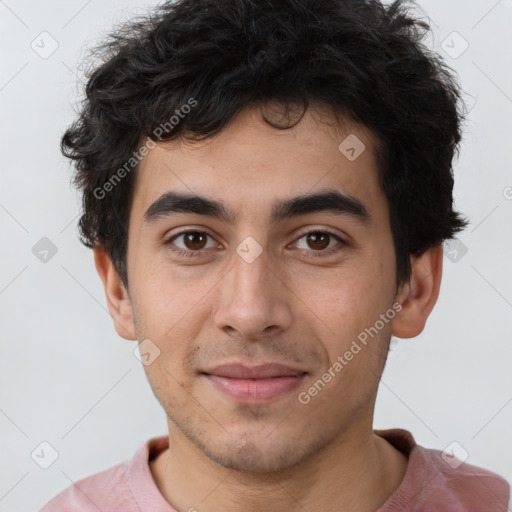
252 124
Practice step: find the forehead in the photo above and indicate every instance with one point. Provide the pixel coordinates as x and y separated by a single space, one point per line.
250 163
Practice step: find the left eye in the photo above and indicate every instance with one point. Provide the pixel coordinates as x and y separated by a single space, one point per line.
320 240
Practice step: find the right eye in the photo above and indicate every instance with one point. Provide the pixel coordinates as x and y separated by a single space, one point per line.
193 243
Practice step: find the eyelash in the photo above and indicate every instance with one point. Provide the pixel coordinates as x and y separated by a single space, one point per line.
197 254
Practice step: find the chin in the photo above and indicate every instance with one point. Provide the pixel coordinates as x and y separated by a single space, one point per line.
251 459
260 453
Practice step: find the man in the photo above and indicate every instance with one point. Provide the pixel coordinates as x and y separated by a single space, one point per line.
267 186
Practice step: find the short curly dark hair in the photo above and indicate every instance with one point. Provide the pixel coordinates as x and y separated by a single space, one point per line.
360 58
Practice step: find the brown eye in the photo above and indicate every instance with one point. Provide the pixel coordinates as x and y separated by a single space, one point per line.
195 240
321 243
318 240
191 243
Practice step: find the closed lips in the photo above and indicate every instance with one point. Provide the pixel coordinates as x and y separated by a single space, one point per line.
239 371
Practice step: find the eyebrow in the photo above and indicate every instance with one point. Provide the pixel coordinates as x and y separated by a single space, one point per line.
332 201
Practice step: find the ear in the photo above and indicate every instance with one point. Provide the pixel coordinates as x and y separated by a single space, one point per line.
419 295
118 301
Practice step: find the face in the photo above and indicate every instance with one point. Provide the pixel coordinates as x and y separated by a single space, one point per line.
253 288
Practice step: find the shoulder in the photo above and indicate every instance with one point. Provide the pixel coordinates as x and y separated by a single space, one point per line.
128 486
456 483
100 491
438 480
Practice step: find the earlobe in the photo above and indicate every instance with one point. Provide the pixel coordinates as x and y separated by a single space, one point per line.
419 295
118 301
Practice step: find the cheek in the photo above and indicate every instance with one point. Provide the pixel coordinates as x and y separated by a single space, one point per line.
171 320
345 299
169 297
346 305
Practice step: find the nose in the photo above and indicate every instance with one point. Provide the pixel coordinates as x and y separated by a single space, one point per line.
255 301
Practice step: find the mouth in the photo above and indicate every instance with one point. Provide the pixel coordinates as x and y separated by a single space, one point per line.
255 384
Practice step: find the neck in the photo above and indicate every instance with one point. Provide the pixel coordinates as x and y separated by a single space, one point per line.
354 473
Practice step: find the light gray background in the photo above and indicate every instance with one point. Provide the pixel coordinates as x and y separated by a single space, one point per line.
67 378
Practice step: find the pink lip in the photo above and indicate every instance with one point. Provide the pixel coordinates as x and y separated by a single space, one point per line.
255 390
257 383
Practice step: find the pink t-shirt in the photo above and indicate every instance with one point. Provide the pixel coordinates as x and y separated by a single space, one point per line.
430 484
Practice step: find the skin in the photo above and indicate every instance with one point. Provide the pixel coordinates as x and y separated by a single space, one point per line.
285 306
